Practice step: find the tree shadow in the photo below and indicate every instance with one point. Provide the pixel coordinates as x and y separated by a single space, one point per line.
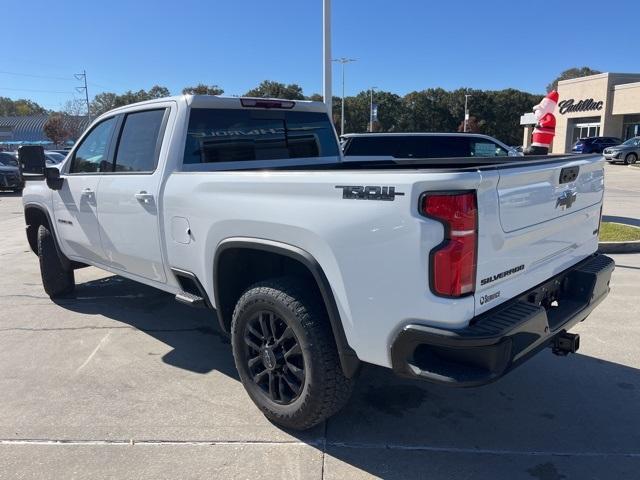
550 418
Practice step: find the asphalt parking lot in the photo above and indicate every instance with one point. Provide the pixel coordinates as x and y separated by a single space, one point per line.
123 382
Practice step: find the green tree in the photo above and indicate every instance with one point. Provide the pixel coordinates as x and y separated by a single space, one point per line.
19 108
572 73
271 89
105 101
202 89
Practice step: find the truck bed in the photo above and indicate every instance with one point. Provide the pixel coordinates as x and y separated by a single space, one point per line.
449 164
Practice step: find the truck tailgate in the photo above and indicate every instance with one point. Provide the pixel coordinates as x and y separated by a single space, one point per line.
546 220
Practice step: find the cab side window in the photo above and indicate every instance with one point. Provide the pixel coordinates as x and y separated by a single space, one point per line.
138 146
486 148
91 155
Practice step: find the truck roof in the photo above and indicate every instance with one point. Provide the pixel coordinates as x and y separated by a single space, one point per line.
215 101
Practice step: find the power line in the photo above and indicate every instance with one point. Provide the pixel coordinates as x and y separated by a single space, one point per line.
33 90
49 77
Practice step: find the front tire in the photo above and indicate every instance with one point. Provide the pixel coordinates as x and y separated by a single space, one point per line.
57 279
630 159
286 355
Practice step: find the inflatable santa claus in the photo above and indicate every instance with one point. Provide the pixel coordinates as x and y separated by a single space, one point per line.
545 129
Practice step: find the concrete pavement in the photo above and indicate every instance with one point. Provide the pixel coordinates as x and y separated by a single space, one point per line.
123 382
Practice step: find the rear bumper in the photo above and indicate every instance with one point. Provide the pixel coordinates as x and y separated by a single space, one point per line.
502 338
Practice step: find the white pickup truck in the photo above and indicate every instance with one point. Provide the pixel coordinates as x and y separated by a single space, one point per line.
450 270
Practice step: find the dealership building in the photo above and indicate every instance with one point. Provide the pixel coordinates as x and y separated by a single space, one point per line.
606 105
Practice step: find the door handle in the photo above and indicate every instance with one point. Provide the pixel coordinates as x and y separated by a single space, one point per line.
87 192
144 197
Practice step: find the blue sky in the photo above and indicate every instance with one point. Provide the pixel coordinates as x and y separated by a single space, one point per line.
401 45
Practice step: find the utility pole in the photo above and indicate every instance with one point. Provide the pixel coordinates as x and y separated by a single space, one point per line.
371 110
326 54
83 76
343 61
466 111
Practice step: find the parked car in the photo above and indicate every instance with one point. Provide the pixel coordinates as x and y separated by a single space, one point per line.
245 206
627 152
356 146
594 144
10 177
53 157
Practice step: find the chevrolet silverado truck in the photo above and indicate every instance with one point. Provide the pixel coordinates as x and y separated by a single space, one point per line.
451 270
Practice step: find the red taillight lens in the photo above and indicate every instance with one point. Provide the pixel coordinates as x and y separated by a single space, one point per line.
453 263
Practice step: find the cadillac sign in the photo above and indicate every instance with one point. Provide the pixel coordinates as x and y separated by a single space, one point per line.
569 106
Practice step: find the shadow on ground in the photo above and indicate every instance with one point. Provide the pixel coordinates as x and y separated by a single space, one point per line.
551 419
197 342
626 220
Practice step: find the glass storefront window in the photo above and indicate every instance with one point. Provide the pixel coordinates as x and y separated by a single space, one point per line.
630 126
583 130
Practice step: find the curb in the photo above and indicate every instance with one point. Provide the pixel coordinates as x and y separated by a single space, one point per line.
619 247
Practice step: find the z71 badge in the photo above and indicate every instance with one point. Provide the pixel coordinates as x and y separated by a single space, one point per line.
370 192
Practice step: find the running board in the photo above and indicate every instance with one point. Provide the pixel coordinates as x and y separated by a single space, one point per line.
191 299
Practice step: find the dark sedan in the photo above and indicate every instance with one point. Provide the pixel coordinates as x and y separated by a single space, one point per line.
628 152
594 144
10 177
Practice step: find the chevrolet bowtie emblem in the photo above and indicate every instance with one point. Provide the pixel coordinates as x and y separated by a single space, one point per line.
567 199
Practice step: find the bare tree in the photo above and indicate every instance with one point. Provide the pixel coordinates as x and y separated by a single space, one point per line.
55 129
74 114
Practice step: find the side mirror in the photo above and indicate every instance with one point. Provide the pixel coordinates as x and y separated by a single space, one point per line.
32 161
52 175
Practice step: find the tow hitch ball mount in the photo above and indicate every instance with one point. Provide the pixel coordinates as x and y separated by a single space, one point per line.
565 343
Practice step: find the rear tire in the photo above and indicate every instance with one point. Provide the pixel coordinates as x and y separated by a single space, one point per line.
57 279
630 159
286 355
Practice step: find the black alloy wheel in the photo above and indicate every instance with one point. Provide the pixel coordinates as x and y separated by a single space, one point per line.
274 357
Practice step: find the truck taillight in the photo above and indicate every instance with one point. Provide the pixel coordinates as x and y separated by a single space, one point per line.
453 263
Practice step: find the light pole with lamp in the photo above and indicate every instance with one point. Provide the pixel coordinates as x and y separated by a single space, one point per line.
466 111
371 110
343 61
326 56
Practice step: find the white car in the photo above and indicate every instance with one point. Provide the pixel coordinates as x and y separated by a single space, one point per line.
452 274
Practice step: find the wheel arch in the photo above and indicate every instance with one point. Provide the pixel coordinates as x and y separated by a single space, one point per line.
34 216
230 279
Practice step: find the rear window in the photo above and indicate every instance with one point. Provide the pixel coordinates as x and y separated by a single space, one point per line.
233 135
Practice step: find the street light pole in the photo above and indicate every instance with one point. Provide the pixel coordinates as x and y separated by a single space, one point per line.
342 61
371 110
466 111
326 53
